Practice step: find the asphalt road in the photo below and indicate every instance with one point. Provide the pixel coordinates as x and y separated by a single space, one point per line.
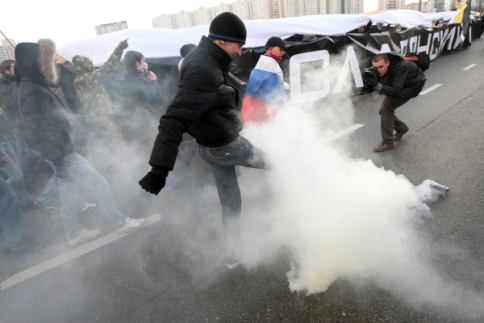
170 270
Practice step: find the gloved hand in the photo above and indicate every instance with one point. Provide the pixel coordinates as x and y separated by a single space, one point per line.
153 183
60 168
371 79
123 44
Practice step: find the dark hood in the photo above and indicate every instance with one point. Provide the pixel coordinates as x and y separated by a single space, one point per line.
36 61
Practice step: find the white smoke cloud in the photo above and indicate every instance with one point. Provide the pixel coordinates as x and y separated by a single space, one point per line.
341 217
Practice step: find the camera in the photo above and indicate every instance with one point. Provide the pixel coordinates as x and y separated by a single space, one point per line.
370 70
369 75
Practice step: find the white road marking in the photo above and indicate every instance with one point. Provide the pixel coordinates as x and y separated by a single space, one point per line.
344 132
469 67
95 244
70 255
433 87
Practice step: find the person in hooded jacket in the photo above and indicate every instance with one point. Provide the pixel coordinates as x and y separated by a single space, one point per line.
90 85
142 98
48 129
208 108
399 81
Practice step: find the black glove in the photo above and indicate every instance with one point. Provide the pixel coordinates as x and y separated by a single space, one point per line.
60 168
371 79
153 183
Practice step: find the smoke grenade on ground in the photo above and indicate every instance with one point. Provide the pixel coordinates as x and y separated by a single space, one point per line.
341 217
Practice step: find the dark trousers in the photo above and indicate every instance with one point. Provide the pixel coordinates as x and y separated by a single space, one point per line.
222 161
389 122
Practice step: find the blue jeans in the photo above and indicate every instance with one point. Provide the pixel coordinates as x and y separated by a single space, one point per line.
81 172
27 157
14 173
50 194
10 219
222 161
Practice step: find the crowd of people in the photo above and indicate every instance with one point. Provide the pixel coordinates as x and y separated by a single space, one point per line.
52 110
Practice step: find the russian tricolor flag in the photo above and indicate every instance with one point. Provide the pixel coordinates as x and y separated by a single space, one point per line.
265 91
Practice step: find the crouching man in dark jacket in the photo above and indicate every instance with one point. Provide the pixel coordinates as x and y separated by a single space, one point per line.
207 107
399 81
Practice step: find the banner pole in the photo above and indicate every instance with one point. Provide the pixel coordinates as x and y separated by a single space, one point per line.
1 32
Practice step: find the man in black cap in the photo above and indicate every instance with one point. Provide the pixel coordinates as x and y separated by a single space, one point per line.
266 89
208 108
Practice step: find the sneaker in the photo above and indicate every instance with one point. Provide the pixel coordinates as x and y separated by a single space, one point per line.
87 207
131 225
231 263
382 147
84 236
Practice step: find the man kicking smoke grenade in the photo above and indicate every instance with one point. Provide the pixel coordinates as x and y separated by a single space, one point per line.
208 108
399 81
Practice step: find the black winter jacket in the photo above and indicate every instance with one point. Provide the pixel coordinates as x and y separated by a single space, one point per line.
205 106
141 93
43 116
404 79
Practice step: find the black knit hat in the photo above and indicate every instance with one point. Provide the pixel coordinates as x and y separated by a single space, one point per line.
185 49
276 41
227 26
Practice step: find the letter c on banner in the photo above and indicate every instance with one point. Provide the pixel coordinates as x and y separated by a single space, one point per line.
296 81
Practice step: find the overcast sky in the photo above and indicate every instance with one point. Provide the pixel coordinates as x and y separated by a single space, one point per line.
29 20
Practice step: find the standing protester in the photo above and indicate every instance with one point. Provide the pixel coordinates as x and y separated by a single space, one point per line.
141 99
7 84
90 84
143 90
207 107
399 81
48 129
66 83
266 89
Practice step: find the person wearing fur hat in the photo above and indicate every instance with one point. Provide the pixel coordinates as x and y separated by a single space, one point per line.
48 129
208 108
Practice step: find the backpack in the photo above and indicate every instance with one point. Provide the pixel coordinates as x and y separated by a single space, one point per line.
422 59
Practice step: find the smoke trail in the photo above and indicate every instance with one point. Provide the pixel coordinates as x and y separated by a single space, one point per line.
343 218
